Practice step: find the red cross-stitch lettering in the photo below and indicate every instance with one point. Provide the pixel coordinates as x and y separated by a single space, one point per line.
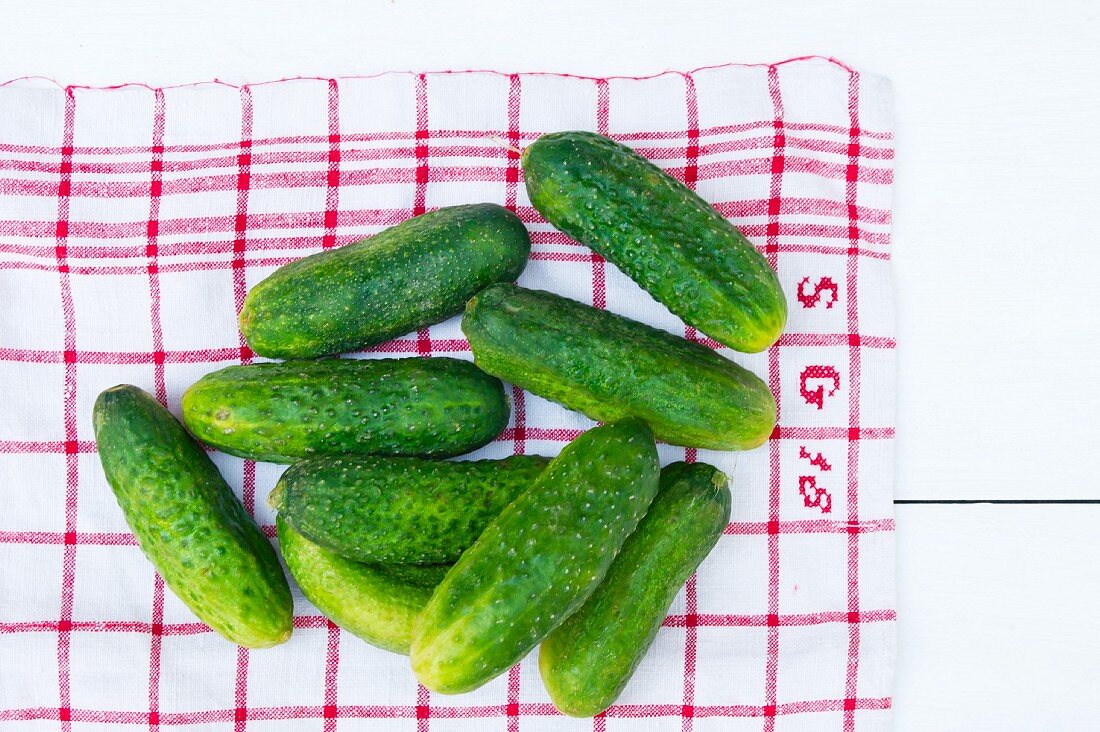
819 461
811 299
817 396
813 495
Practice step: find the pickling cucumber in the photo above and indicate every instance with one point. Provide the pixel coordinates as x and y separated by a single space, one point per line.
281 412
409 276
538 561
400 510
188 522
610 367
660 233
374 602
587 662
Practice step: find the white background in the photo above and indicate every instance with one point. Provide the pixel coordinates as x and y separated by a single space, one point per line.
996 251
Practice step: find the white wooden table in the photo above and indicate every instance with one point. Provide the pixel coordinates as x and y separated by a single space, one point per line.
997 255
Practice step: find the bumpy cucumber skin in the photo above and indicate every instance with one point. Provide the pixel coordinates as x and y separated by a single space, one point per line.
418 575
587 662
414 274
188 522
374 602
610 367
660 233
538 561
400 510
282 412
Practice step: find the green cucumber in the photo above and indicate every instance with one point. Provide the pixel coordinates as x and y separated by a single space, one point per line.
538 561
372 601
610 367
400 510
282 412
188 522
420 575
660 233
589 659
407 277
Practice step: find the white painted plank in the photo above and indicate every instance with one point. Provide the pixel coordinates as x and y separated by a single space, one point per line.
998 623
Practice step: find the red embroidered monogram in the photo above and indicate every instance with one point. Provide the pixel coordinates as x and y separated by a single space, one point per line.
813 495
818 460
816 396
811 299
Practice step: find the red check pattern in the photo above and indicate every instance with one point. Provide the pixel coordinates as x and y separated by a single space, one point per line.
134 220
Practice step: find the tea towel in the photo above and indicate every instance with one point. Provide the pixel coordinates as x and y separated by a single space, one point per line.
133 220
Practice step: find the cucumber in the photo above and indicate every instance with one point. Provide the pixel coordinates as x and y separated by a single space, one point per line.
400 510
282 412
407 277
538 561
660 233
188 522
421 575
588 660
374 602
610 367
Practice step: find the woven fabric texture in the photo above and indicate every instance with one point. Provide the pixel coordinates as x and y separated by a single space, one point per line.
134 220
